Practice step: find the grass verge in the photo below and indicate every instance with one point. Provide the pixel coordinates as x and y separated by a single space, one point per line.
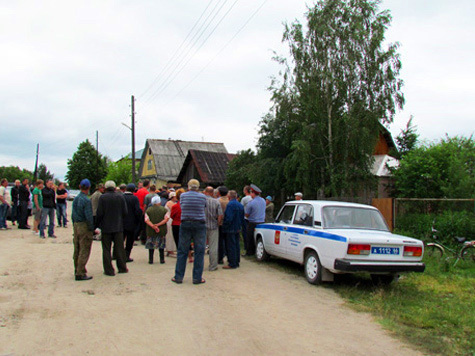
434 310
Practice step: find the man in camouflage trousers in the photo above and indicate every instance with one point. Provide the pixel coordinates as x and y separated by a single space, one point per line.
83 226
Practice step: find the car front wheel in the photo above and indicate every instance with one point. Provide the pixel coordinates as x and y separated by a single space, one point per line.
261 253
313 268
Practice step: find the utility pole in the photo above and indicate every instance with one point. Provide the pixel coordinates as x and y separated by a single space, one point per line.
133 139
36 163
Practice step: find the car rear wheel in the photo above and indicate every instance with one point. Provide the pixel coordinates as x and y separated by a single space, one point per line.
261 253
313 268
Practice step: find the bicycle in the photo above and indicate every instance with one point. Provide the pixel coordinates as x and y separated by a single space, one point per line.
437 249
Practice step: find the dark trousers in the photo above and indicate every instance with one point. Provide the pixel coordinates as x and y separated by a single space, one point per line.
118 239
244 233
129 237
23 222
251 244
232 243
176 234
143 230
15 213
222 246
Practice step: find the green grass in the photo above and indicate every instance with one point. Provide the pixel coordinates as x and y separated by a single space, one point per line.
434 310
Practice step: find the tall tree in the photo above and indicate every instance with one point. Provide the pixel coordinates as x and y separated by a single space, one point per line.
44 173
86 163
240 170
338 87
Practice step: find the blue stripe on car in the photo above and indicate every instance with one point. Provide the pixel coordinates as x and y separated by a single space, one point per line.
299 230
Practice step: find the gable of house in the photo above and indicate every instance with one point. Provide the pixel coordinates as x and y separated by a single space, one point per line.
163 159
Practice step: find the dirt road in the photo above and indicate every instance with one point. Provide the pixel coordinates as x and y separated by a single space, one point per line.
254 310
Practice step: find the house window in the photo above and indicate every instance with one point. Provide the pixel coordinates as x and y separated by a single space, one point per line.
149 164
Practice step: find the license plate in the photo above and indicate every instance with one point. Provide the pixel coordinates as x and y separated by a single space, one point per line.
385 250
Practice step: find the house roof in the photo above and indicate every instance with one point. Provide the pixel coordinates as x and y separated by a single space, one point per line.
211 166
138 155
381 164
169 155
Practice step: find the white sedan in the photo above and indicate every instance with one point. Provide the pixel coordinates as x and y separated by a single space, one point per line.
330 237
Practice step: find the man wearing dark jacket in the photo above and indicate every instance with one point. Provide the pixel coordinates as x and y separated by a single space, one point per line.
131 220
15 202
232 225
24 198
111 212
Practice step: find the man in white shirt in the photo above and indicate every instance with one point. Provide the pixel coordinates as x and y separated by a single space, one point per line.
4 204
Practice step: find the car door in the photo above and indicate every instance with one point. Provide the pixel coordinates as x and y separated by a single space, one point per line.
277 241
298 234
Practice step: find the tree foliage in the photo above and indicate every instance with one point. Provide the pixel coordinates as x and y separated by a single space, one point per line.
240 170
338 87
11 173
86 163
445 169
407 140
43 173
120 171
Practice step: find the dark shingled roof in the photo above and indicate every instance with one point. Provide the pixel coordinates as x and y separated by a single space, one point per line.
211 166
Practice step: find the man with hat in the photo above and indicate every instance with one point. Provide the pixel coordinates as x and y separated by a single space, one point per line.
298 196
131 220
83 227
111 212
255 214
269 210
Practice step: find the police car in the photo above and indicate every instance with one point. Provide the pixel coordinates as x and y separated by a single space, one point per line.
330 237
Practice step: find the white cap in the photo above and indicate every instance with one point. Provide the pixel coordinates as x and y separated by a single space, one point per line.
298 194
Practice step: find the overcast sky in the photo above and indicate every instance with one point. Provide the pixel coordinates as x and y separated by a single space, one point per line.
68 69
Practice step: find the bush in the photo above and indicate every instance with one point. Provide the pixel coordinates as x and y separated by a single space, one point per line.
448 224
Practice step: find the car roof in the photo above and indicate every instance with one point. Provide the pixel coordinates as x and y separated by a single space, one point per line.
323 203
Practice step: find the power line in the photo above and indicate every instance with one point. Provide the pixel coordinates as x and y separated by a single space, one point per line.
179 67
167 84
172 58
220 51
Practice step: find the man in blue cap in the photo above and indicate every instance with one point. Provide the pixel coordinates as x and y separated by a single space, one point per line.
83 230
255 214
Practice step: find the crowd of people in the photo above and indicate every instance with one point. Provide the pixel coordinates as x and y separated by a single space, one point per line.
165 219
43 201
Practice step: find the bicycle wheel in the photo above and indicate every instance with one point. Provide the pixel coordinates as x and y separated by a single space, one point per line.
434 250
468 253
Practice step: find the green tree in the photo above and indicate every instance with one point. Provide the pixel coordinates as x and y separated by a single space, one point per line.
86 163
407 140
44 173
337 89
11 173
240 170
445 169
120 172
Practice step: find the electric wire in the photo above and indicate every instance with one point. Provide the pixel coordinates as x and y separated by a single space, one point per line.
178 67
218 53
173 57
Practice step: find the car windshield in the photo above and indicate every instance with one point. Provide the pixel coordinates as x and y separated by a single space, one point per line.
339 217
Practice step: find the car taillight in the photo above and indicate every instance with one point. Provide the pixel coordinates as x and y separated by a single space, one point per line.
357 249
414 251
